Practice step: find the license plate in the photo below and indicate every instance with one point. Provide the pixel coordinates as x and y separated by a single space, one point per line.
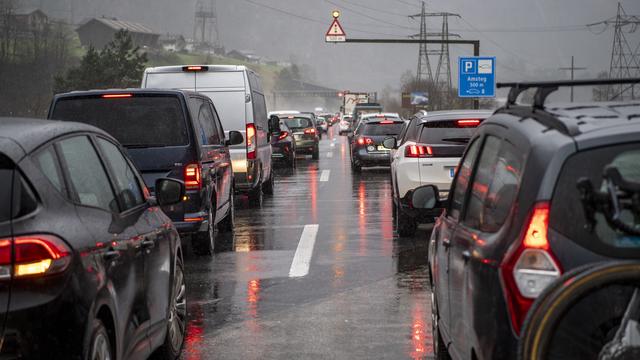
297 137
382 148
452 172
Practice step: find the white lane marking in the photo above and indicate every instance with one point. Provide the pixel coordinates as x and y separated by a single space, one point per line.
333 145
325 175
302 257
329 155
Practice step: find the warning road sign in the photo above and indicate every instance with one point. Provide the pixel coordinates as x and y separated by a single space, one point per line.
335 32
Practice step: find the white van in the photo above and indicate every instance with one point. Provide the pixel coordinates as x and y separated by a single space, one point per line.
237 94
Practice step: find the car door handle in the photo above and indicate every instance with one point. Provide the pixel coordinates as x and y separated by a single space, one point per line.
466 255
111 255
148 244
446 242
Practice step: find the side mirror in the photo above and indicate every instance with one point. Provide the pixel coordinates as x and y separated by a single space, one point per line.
425 197
235 138
169 191
274 124
390 143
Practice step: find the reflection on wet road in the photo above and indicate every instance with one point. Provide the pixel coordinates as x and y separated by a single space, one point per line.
366 292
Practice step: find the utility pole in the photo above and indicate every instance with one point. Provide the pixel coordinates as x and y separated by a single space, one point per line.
625 61
572 68
443 72
206 18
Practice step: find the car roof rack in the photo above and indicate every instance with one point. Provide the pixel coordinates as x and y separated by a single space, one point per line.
545 88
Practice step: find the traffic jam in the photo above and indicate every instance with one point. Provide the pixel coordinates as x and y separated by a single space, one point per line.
221 209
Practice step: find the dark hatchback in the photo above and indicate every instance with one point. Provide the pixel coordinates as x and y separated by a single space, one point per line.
283 145
516 221
167 133
367 148
89 264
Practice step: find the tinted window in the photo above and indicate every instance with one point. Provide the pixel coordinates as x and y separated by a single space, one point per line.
462 180
127 185
298 123
374 129
445 132
567 213
6 183
48 163
495 185
90 183
139 120
206 128
413 130
218 123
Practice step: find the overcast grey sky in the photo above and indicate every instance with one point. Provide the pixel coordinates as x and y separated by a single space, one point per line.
530 39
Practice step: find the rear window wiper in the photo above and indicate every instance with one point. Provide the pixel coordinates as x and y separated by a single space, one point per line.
463 140
143 146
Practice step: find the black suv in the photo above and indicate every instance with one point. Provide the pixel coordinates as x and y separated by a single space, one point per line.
515 219
173 134
366 145
90 267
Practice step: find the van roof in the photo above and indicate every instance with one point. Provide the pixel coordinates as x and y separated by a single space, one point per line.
212 68
120 91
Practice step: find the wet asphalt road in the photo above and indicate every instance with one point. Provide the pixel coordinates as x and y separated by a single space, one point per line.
365 295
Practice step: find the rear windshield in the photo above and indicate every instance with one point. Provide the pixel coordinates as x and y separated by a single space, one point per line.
382 129
445 132
298 123
567 213
145 121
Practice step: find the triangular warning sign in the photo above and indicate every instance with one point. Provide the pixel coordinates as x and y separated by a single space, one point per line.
336 32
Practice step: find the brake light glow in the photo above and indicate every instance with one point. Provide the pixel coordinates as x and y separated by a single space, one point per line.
468 123
310 131
195 68
418 151
116 96
192 177
33 255
387 122
283 135
251 141
365 141
530 268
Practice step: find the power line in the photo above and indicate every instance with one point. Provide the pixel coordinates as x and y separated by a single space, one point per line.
368 16
386 12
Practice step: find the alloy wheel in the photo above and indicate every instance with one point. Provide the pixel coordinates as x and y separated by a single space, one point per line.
178 311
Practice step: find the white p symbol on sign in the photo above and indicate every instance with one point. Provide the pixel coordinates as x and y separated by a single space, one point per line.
468 66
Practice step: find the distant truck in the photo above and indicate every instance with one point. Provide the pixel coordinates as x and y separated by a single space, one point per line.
350 100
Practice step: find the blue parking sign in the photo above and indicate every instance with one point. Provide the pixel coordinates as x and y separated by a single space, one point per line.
476 77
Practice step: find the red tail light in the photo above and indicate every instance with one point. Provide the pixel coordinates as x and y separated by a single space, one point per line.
33 255
283 135
468 123
530 268
418 151
116 96
194 68
385 122
192 177
365 141
251 141
310 131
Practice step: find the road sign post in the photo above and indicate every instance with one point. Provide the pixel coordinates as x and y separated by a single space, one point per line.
335 33
477 77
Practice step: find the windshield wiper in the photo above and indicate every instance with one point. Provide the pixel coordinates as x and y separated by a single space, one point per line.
463 140
143 146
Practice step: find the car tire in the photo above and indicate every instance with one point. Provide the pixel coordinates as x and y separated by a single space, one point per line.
227 224
292 160
203 242
440 351
356 166
99 346
177 322
316 153
267 187
406 226
255 195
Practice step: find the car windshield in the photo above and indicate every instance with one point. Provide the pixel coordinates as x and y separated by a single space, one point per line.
298 123
379 128
129 120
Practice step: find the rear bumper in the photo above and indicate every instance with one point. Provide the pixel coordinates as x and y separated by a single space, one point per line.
366 158
306 146
281 150
420 215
